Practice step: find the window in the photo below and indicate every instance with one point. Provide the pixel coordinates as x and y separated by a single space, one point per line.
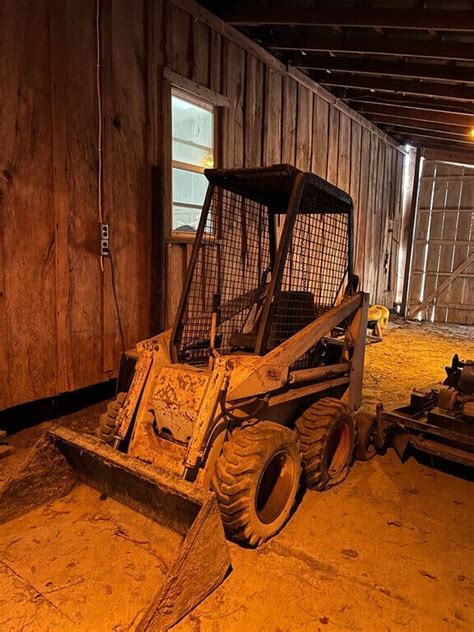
192 152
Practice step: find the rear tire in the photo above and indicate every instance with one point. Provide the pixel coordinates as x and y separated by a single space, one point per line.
256 480
326 441
366 426
108 420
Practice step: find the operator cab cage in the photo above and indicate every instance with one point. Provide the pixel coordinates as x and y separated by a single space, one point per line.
273 252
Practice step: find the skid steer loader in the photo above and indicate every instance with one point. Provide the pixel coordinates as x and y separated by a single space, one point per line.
253 386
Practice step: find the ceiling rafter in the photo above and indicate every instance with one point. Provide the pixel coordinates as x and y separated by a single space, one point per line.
414 115
306 39
437 151
253 14
410 136
462 133
362 95
383 84
440 72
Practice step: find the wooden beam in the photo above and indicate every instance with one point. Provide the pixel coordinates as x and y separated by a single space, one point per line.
219 100
444 242
449 155
411 232
309 39
443 286
382 84
217 24
463 178
254 14
440 72
424 138
405 123
409 113
462 306
362 95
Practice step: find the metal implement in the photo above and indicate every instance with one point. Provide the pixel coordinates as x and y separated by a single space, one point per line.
438 420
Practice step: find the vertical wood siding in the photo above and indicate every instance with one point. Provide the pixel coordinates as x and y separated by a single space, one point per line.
58 319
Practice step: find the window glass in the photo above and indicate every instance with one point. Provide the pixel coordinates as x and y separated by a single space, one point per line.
189 190
192 152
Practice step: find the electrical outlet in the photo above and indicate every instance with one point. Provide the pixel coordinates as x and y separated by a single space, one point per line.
104 240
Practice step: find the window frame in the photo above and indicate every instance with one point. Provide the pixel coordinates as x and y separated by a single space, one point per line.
176 85
187 166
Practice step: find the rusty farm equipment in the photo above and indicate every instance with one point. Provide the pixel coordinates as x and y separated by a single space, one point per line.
250 388
439 420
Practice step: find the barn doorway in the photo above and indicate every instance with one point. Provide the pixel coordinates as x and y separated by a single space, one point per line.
442 275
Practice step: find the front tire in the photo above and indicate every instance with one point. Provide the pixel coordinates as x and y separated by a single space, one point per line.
256 480
366 427
326 441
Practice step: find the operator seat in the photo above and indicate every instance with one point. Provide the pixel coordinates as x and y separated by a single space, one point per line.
292 312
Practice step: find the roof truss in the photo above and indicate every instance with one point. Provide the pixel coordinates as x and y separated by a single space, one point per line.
254 14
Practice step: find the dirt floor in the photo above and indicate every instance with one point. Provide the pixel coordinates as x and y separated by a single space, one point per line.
390 549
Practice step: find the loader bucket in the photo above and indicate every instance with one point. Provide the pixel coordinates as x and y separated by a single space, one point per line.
139 555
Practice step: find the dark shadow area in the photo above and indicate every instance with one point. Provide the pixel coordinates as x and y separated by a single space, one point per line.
26 415
442 465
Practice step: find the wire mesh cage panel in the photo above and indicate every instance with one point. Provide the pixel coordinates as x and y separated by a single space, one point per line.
256 285
230 276
316 265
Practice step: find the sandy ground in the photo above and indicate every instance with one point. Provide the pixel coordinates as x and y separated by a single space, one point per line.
390 549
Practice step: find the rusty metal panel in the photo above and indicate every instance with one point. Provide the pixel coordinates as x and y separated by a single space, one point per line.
177 398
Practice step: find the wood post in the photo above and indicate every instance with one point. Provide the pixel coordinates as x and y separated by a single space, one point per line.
411 233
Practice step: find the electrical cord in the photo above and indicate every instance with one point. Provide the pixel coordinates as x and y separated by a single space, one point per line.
100 169
100 178
117 309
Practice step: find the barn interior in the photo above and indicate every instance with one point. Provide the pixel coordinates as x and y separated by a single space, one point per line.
237 242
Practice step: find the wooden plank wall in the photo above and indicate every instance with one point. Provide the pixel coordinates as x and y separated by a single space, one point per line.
58 327
58 323
275 118
444 238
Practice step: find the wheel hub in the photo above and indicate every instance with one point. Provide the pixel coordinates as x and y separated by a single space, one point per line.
274 487
338 451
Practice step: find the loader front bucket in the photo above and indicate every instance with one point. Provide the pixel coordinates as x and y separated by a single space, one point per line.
138 555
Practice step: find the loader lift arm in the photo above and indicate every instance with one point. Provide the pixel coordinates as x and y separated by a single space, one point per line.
270 375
